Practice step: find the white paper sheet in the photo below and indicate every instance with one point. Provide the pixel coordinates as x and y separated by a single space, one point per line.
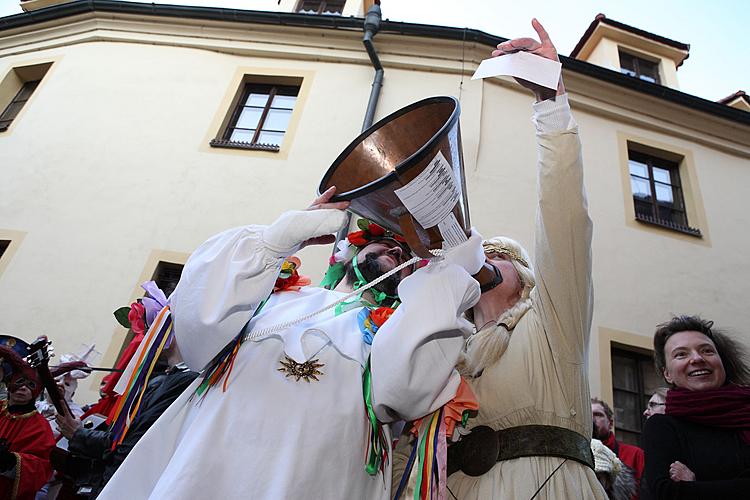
537 69
432 194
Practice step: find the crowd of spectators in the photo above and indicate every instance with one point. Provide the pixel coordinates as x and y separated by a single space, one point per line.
696 438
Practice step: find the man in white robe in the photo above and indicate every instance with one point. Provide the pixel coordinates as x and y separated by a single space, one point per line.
274 436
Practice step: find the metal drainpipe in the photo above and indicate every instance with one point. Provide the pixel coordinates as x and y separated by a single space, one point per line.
372 26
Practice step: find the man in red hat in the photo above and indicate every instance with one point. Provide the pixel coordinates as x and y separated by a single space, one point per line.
25 436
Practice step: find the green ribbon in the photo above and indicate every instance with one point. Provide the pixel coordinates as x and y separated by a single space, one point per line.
379 296
374 457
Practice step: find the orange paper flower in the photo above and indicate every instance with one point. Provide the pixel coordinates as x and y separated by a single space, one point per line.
380 315
453 411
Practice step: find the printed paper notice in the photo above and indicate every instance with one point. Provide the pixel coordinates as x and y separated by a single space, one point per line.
432 194
537 69
451 231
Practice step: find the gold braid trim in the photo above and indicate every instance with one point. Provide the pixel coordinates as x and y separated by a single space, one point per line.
4 411
17 479
495 248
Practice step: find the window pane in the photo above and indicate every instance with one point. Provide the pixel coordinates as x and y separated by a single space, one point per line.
641 188
676 216
167 276
277 119
662 175
649 70
627 411
627 63
256 99
242 135
627 437
643 207
12 110
27 90
249 118
271 138
663 193
624 373
310 6
638 168
284 101
651 379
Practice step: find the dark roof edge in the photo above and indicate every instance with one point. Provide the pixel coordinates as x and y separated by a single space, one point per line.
647 34
601 18
355 23
739 94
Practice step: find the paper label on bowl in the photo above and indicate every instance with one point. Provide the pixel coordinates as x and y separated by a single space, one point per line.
431 195
451 231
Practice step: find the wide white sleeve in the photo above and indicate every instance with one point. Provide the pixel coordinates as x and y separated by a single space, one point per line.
229 275
563 293
222 284
414 353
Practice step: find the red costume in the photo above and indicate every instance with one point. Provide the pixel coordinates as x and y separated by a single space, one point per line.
630 455
25 435
30 439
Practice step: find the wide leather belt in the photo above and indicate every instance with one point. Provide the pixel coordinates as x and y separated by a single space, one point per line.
477 453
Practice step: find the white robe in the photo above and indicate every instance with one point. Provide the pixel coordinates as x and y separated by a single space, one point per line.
270 436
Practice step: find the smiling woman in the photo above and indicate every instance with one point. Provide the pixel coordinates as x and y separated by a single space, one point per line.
700 447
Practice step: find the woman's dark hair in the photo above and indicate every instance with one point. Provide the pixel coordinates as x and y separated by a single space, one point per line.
733 354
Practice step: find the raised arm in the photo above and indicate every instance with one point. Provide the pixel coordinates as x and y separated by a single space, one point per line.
414 354
228 276
562 247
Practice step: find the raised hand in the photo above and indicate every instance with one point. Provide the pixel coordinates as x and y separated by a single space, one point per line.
67 424
543 48
321 202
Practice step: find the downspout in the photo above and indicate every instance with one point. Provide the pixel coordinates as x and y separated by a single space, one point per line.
372 26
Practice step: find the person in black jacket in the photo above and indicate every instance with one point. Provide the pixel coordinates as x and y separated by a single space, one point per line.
700 447
96 445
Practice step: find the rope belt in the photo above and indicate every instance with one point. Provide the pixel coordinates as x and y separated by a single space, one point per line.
478 452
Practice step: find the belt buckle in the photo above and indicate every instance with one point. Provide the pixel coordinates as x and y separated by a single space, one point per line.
480 451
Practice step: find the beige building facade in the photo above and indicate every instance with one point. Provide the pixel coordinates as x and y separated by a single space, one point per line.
123 158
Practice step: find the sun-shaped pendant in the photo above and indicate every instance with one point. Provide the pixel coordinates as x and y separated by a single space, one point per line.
307 370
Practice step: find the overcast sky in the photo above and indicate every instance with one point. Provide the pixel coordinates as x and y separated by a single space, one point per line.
718 65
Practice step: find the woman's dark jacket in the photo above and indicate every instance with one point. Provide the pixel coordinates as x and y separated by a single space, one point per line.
718 457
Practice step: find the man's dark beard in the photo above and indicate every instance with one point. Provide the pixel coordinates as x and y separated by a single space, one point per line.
597 434
371 269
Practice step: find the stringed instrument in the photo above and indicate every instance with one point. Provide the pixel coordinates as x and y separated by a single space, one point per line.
38 358
62 460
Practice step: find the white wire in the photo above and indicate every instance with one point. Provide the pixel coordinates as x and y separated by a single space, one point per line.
263 332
